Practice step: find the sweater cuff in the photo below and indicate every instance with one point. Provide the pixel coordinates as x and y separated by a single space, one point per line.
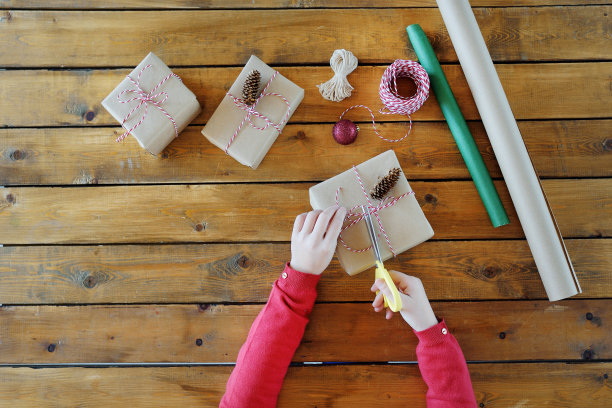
434 335
295 282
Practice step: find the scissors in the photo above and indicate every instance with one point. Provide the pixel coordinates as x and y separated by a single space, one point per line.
381 273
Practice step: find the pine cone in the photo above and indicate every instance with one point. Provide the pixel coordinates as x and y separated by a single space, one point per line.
385 184
250 90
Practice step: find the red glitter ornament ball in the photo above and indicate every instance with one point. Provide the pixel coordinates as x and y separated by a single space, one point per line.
345 132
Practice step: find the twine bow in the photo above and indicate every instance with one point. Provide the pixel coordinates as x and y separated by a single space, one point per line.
146 99
354 217
250 110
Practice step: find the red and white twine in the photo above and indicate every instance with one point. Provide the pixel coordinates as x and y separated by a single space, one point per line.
392 100
146 99
354 217
250 110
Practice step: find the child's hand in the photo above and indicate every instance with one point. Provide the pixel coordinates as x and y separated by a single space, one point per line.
314 239
416 309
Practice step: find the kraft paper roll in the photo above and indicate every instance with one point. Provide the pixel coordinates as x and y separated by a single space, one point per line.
537 220
458 127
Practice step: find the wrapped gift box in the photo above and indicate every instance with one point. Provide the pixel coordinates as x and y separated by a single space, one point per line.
229 127
404 221
159 88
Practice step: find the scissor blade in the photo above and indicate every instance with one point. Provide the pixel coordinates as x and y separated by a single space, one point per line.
372 233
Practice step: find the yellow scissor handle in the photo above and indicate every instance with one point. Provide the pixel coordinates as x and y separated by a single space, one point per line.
394 304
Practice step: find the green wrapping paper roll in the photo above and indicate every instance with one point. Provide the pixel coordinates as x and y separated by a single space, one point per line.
458 127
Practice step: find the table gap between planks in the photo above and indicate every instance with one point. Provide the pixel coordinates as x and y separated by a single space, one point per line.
114 262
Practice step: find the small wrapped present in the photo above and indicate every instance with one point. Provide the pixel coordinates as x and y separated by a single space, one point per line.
398 217
152 104
246 129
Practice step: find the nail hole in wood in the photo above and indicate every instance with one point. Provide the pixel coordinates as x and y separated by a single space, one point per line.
243 261
17 155
89 282
430 198
491 272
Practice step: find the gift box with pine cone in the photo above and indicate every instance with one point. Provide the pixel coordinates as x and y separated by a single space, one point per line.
253 113
152 104
380 184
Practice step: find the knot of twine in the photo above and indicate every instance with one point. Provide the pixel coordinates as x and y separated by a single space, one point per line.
146 99
342 62
393 102
354 217
250 112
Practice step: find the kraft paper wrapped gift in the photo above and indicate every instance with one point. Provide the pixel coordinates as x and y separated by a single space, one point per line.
404 222
233 128
153 88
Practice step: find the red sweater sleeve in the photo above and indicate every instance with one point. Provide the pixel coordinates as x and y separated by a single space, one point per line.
444 369
274 336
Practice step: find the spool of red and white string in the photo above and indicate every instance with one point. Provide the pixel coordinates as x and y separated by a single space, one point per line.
345 131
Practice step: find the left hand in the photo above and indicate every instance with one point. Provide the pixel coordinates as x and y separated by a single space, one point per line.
314 239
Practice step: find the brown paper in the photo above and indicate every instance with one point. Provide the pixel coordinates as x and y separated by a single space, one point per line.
404 222
534 212
251 145
156 131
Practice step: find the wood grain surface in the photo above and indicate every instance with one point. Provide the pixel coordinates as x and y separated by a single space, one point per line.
51 156
495 385
200 213
215 273
122 38
113 262
246 4
522 330
535 91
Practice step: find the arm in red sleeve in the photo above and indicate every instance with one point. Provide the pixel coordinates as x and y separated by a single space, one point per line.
274 336
444 369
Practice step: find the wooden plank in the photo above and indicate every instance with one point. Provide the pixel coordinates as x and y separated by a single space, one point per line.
246 4
541 385
451 270
262 212
580 148
535 91
122 38
555 385
532 330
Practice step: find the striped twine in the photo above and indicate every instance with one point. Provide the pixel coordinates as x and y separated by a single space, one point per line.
354 216
146 99
393 102
250 110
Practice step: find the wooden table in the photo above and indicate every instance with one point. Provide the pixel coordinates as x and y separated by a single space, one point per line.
132 280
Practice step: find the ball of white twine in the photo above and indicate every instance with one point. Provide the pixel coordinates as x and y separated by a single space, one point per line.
343 62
